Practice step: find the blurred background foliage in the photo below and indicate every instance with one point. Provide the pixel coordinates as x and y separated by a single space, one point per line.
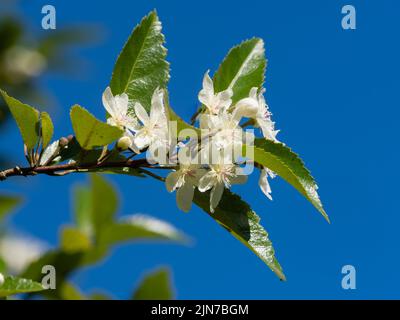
90 238
25 56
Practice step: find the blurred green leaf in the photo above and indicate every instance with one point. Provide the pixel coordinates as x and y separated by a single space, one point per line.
236 216
138 228
14 285
104 203
155 286
70 292
10 33
3 266
7 204
99 296
141 66
287 164
91 132
47 128
83 208
73 240
27 119
242 69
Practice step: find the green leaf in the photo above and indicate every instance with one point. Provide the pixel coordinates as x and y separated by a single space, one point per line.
74 240
27 119
71 151
141 66
155 286
285 163
69 291
104 202
13 285
7 204
91 132
64 262
139 227
83 209
242 69
236 216
47 128
3 266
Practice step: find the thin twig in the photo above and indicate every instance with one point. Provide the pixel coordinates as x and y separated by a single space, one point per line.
72 167
153 175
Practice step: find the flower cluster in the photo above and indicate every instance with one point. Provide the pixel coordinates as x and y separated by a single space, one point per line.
211 163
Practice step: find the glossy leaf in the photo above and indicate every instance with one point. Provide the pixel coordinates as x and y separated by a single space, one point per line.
47 128
285 163
27 119
7 204
242 69
14 285
155 286
141 66
91 132
236 216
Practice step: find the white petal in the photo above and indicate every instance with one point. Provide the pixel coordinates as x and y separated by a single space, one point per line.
206 95
253 93
207 182
109 102
132 123
247 107
142 140
216 195
141 113
267 128
121 104
184 197
264 185
224 99
49 152
157 104
171 182
208 84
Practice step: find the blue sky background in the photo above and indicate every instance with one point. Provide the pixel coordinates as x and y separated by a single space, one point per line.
333 94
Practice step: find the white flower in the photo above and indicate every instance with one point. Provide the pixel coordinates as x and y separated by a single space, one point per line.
117 108
263 181
1 279
19 251
222 175
184 181
256 108
214 102
154 132
223 134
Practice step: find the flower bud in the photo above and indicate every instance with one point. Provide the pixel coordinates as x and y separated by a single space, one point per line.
63 142
1 279
247 107
124 143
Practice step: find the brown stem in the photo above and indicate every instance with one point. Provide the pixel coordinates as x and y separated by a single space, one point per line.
50 170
